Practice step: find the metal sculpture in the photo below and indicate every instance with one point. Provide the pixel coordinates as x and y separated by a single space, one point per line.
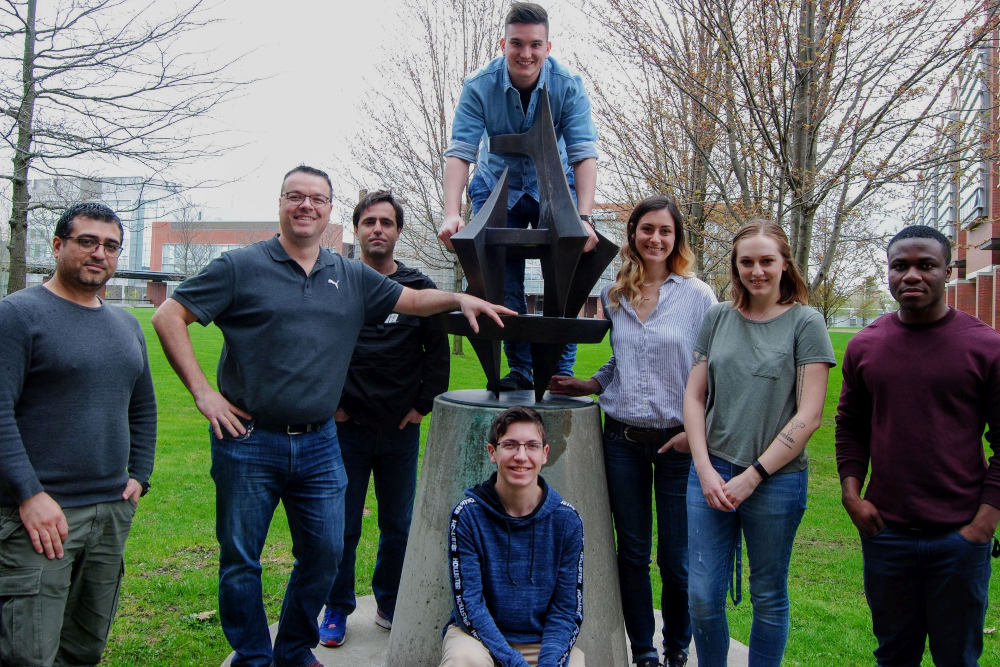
569 274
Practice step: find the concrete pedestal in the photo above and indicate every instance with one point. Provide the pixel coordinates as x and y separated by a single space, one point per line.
367 643
455 458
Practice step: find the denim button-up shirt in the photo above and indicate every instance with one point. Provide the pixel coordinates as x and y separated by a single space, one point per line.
490 105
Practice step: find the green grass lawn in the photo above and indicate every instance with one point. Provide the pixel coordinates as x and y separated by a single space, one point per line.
171 561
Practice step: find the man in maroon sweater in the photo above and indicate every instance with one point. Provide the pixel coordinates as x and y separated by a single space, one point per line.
920 386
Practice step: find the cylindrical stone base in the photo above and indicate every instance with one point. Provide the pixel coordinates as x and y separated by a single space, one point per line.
455 458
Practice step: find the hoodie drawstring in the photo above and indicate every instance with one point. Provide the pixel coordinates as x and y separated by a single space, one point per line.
531 564
508 553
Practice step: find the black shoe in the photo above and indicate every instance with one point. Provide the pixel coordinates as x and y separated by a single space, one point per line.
514 381
676 659
648 662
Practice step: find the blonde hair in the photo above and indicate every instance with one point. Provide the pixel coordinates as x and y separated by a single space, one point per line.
632 274
793 287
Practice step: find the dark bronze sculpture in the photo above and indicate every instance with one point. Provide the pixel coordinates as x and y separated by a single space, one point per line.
569 274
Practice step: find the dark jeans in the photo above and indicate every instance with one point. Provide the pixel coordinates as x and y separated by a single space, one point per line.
391 455
636 474
768 519
922 586
252 473
521 215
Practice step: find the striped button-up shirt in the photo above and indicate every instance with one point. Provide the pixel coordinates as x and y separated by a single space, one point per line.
643 381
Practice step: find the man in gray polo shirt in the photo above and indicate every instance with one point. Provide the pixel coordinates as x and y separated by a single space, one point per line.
290 313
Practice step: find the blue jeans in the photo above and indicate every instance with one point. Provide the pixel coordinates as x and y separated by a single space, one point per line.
920 586
391 455
252 473
636 474
768 520
522 214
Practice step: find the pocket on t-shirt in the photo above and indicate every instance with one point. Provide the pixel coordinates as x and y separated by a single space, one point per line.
769 361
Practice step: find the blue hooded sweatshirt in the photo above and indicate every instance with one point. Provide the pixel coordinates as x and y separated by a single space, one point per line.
517 579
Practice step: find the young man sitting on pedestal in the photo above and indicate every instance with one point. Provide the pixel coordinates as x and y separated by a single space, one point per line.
516 555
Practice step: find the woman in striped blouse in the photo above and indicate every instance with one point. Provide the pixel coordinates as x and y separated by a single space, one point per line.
656 307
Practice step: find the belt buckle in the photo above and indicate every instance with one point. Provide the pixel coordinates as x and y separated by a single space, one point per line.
625 430
289 431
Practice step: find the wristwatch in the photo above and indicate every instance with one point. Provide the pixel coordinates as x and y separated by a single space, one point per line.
586 218
760 471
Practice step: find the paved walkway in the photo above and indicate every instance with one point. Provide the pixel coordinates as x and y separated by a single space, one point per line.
367 643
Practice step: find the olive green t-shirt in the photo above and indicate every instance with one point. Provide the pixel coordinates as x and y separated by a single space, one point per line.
751 377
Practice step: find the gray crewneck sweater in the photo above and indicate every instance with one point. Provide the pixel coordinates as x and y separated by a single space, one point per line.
77 409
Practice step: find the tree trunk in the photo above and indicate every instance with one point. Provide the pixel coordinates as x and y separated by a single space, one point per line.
803 157
696 215
22 161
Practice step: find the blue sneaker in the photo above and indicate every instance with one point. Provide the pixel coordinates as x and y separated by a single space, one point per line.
333 628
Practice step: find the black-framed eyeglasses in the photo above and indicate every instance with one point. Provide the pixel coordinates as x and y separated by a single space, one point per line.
297 198
514 445
89 244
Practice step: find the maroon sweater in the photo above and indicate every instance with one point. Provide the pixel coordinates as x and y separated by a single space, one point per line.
915 402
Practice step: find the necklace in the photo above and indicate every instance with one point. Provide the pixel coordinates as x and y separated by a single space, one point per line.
647 298
758 319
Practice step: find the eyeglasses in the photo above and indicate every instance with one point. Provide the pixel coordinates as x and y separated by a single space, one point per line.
88 244
297 198
514 445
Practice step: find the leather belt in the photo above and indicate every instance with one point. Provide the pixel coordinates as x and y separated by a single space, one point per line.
293 429
651 436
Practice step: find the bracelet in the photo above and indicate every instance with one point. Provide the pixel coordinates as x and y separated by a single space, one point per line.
764 474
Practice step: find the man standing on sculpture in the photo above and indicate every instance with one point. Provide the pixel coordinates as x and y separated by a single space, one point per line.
77 438
920 386
290 313
503 98
397 369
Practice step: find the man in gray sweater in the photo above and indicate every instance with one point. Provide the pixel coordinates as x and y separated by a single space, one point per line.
77 437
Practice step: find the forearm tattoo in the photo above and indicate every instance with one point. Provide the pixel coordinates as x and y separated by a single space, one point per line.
800 381
699 358
786 436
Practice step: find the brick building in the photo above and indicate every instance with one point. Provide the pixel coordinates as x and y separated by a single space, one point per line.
186 247
962 198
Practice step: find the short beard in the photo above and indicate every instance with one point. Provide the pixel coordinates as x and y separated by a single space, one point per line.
380 253
82 279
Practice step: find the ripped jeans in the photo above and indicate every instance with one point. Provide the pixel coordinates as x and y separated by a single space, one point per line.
768 520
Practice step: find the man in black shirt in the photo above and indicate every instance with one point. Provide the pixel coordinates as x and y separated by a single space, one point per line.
397 369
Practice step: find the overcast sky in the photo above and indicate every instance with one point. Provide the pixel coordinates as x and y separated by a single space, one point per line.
316 61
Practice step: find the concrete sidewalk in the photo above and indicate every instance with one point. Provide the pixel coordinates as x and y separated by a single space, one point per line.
367 643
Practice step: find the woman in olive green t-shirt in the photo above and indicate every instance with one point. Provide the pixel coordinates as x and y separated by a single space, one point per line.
754 397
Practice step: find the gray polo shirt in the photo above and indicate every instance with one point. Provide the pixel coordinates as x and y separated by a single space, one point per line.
288 336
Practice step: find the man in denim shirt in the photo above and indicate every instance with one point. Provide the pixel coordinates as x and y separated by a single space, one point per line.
502 98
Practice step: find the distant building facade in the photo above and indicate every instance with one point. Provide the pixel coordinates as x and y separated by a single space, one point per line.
137 202
962 198
186 247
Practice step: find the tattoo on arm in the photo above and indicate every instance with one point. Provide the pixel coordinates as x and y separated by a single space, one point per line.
800 380
787 434
699 358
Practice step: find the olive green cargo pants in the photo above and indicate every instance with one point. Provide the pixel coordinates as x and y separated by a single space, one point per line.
59 611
